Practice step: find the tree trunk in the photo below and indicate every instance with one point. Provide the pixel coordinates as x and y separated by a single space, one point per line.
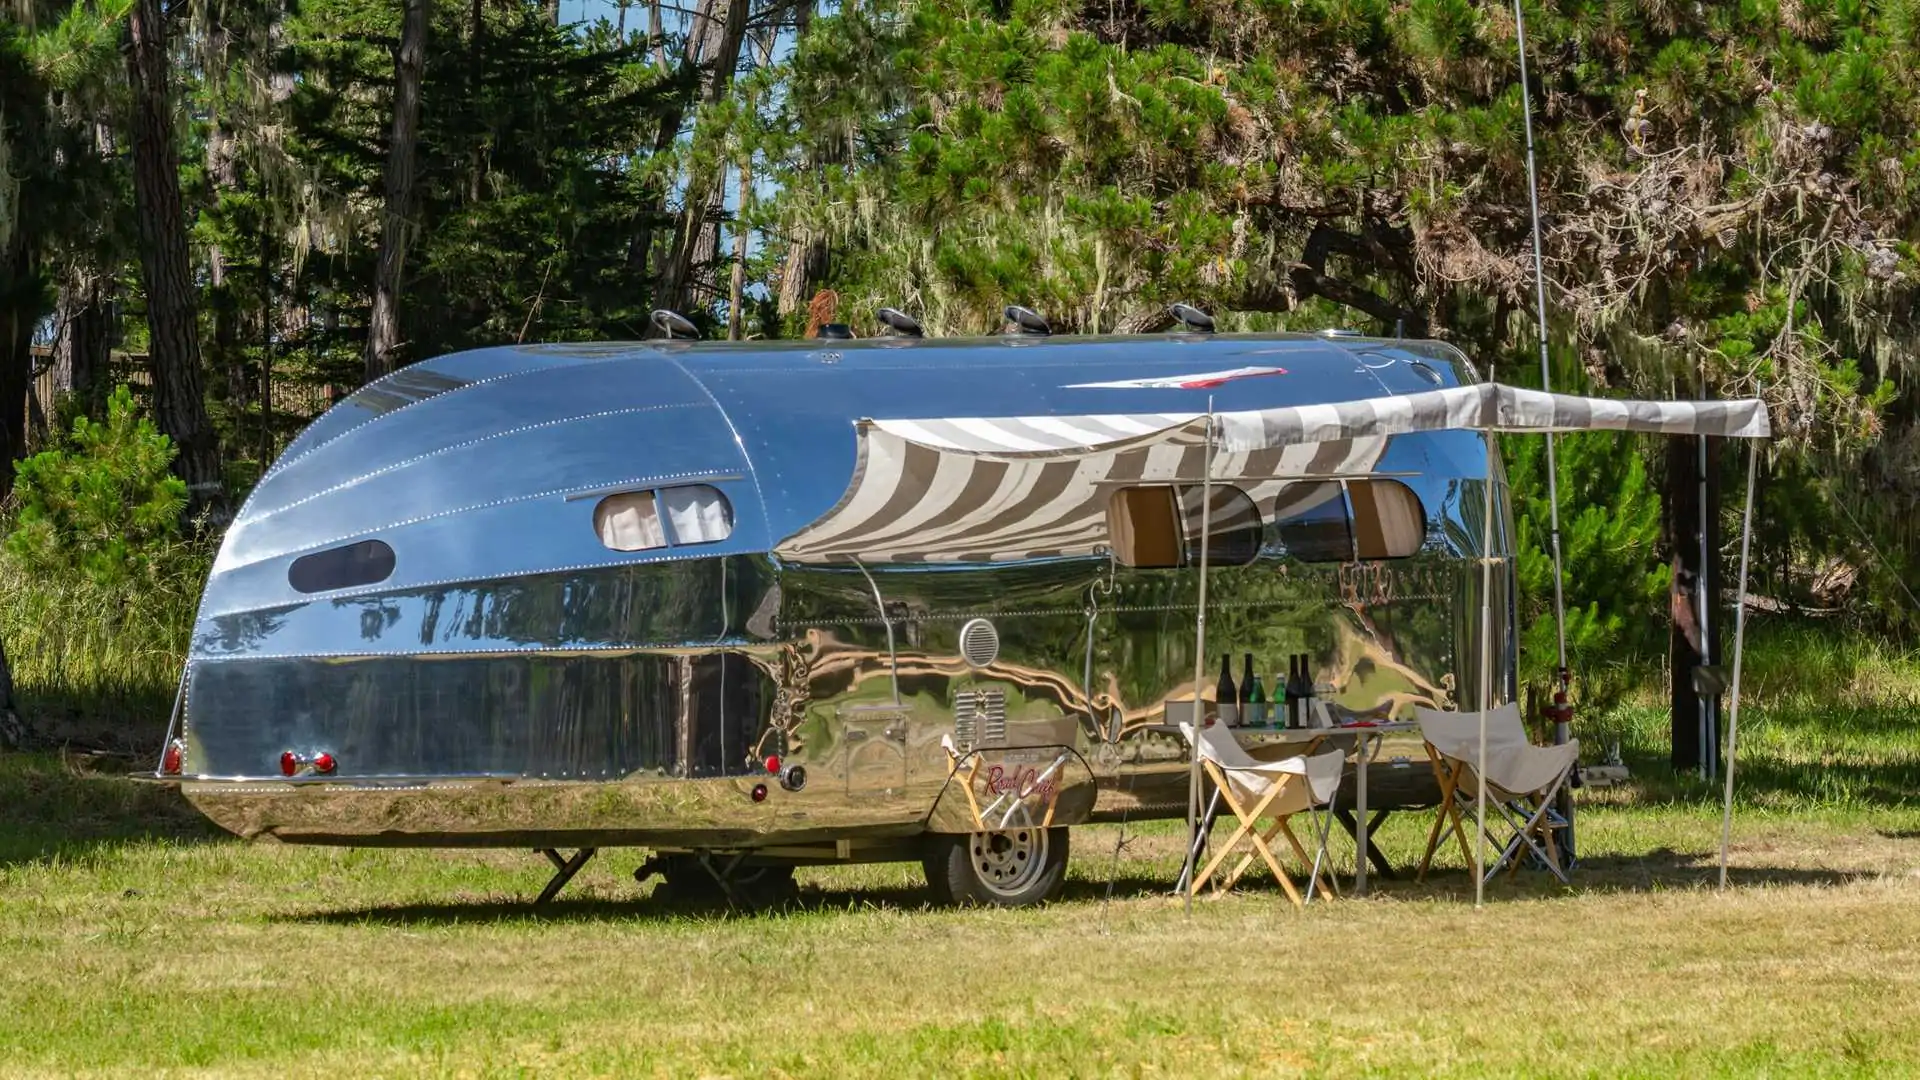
703 191
16 352
179 407
80 352
805 264
657 32
13 730
713 44
1692 528
383 328
736 324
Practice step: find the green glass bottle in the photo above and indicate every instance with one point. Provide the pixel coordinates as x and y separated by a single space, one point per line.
1253 696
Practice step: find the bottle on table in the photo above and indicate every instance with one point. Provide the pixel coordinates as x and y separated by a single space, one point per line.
1300 691
1253 696
1225 695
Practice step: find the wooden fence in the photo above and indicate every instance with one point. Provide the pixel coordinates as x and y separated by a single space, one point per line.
292 398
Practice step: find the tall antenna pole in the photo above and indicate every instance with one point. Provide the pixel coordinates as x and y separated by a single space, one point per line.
1560 732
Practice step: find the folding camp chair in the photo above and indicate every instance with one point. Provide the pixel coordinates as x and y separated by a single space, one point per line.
1522 782
1275 790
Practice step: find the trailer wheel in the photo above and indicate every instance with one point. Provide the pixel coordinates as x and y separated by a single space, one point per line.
1011 868
755 887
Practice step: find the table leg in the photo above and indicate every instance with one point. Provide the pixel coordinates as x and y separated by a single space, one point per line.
1375 859
1360 815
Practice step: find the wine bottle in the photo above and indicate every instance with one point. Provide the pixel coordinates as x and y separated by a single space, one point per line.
1224 694
1253 696
1307 691
1297 716
1293 687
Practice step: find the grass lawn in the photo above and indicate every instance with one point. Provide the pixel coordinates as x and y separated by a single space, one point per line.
137 939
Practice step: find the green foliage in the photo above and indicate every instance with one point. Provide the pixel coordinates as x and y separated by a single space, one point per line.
103 504
1615 581
529 189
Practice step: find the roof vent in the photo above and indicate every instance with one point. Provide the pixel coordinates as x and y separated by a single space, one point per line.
674 325
834 331
1026 321
1192 319
899 322
979 643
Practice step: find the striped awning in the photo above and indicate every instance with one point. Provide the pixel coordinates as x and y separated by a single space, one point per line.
1489 407
998 489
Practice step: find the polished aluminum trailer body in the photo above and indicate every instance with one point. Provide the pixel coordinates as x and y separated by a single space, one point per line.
489 671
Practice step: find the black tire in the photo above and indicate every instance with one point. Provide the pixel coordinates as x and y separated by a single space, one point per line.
754 887
1013 868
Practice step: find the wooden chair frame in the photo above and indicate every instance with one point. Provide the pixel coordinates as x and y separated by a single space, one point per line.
1262 841
1528 817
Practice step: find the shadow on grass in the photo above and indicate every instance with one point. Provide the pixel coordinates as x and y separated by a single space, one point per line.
810 900
1662 870
63 809
1659 870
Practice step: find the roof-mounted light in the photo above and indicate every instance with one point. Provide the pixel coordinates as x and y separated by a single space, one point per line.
674 325
1192 319
1026 321
899 322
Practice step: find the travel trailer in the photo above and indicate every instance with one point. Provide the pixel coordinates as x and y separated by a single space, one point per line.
761 605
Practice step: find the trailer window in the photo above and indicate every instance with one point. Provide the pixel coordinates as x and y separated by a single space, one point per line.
698 513
1150 530
365 563
641 520
1388 520
1234 531
1311 518
1143 525
1336 521
629 521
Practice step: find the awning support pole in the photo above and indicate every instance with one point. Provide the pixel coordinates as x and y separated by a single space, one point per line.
1560 726
1199 665
1486 684
1739 641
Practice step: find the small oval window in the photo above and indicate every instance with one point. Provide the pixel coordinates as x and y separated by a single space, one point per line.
365 563
644 520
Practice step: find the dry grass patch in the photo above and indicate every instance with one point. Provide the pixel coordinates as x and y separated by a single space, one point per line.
143 942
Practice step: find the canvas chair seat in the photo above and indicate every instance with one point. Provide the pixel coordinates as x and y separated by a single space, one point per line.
1252 778
1522 783
1273 791
1514 764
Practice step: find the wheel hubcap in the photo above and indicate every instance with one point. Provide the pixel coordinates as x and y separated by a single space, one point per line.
1007 863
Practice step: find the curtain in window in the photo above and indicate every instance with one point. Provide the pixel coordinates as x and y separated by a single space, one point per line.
699 514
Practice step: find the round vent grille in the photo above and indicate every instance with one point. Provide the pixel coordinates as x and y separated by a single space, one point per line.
979 642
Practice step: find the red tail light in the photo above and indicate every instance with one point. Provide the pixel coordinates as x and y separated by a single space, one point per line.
759 793
323 762
174 758
773 763
289 763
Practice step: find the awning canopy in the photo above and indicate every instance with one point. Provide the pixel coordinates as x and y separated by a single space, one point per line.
996 489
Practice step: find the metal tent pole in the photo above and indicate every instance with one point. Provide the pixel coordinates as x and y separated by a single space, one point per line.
1199 663
1560 726
1739 640
1486 685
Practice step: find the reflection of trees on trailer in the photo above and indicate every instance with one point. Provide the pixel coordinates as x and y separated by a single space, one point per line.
681 597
